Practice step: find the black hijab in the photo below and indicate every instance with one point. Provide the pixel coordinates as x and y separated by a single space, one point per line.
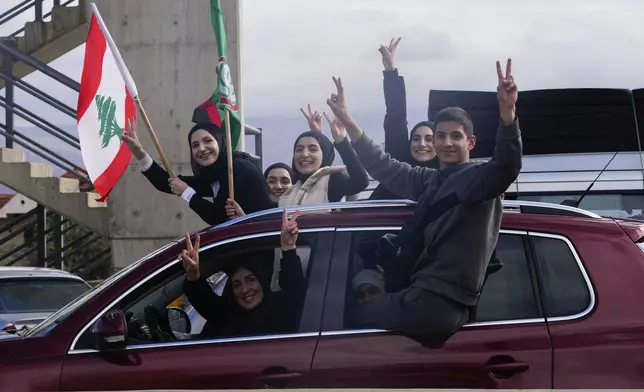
326 147
278 165
218 171
216 133
256 320
433 163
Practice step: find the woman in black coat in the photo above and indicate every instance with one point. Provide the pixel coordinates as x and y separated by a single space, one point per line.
415 147
248 306
210 179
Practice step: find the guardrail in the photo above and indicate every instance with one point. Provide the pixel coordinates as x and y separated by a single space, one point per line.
25 6
11 55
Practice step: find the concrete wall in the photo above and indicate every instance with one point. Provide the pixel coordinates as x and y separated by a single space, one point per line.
170 50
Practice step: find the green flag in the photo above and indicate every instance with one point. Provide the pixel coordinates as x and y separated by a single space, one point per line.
224 97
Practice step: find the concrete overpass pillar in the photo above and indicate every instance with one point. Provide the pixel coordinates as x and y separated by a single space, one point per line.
170 50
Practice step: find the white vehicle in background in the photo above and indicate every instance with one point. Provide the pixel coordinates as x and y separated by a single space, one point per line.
28 295
572 138
581 147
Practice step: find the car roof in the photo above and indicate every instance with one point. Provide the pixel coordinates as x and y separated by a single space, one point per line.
383 206
386 214
38 272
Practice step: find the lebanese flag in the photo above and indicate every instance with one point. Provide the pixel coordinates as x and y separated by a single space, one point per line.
105 107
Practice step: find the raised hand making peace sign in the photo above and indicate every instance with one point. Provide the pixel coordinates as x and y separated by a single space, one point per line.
338 130
314 119
338 103
507 92
190 258
289 231
389 54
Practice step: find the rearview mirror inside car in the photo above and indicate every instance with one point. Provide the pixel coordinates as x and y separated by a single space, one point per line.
110 331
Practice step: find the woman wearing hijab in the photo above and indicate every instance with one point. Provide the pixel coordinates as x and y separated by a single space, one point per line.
316 181
279 177
417 148
209 165
248 306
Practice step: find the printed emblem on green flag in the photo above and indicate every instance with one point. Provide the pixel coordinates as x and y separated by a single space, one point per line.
109 128
224 96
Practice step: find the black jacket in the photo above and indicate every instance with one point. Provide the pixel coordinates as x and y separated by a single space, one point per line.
459 244
396 129
278 313
354 181
251 191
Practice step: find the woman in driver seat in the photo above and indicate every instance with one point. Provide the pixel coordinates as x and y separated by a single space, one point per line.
248 306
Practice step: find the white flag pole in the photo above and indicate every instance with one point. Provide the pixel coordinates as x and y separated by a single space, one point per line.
129 82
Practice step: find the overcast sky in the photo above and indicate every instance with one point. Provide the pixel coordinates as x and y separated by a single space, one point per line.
293 47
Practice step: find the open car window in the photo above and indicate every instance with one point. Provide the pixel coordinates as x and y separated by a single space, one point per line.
166 289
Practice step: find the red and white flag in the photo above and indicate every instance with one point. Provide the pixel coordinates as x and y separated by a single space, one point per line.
105 107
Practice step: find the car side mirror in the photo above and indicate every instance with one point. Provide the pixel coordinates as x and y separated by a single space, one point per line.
179 322
110 331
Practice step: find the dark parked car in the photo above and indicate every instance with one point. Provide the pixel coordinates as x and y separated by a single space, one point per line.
564 311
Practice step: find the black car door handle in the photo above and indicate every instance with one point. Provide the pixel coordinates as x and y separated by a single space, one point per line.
279 377
506 370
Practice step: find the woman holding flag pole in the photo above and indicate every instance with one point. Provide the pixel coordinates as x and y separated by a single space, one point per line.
211 178
105 103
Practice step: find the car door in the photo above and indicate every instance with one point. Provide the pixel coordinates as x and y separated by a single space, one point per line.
592 290
506 346
235 362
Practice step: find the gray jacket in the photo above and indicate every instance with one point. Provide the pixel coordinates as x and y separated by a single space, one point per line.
459 244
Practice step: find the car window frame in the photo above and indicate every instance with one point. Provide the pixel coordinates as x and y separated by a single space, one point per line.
318 278
582 268
534 276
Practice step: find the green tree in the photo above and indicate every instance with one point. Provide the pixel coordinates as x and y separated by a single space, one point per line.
107 117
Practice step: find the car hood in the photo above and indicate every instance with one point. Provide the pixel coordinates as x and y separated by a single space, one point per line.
28 320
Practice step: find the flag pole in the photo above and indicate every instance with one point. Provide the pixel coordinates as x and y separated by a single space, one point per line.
129 82
154 138
229 156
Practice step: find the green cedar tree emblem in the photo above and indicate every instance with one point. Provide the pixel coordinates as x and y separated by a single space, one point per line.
107 118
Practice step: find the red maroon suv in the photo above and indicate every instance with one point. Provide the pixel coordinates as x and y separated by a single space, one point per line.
564 311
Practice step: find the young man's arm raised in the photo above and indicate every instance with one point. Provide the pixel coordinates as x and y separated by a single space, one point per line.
409 182
496 176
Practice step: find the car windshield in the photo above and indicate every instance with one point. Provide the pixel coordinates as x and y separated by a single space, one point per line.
71 307
36 295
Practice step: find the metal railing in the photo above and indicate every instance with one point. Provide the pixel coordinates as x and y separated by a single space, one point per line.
36 5
44 238
257 133
10 56
40 237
